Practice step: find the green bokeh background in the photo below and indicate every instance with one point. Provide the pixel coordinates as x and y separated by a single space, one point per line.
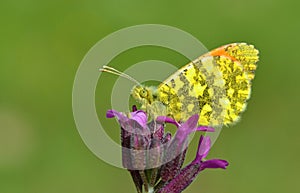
43 42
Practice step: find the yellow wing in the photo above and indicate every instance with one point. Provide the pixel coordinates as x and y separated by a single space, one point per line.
216 85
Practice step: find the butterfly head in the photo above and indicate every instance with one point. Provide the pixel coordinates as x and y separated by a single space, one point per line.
142 94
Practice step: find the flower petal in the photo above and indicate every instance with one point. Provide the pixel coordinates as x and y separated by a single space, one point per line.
140 117
186 128
205 128
134 108
166 138
113 113
164 119
181 181
156 129
137 119
192 122
203 148
214 163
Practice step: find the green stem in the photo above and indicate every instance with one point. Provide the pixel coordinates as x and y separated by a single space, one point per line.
151 189
145 181
153 176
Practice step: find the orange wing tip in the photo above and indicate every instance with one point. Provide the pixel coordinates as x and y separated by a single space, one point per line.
244 53
247 55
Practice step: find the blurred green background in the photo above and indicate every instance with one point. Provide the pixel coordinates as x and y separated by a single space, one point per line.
43 42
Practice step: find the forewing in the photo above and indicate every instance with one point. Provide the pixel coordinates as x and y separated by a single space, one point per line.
215 85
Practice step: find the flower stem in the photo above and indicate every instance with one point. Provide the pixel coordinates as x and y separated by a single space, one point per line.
145 181
154 174
151 189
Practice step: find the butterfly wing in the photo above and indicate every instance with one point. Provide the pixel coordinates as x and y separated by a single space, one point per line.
216 85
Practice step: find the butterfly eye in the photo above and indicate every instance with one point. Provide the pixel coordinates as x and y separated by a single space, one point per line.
143 93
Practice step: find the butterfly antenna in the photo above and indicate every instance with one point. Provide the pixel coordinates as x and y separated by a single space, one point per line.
118 73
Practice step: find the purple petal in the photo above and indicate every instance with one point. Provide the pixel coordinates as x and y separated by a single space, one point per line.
214 163
134 108
113 113
205 128
164 119
186 128
140 117
172 168
179 142
158 130
192 122
188 174
185 177
166 138
203 148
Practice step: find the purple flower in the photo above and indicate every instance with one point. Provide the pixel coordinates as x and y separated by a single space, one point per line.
155 158
187 175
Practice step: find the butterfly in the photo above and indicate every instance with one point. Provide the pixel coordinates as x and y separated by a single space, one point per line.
216 86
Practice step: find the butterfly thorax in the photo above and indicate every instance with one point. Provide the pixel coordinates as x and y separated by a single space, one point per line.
154 101
158 101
